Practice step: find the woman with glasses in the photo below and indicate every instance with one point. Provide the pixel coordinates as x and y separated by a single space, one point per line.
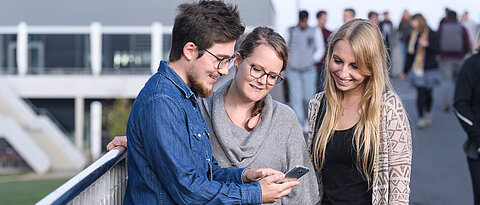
247 127
359 135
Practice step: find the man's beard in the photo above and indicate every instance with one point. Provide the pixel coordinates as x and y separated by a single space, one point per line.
197 86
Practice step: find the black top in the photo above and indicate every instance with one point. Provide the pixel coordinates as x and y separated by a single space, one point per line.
467 103
343 182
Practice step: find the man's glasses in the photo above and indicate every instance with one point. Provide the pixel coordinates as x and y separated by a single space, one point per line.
222 62
256 72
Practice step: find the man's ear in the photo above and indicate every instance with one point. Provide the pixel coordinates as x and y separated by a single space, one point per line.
238 60
190 51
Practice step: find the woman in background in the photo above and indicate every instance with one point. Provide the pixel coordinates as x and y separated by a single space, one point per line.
422 67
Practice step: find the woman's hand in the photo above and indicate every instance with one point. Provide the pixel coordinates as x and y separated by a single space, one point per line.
423 42
117 141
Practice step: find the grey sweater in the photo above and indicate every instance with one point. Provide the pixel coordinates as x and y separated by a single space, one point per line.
277 142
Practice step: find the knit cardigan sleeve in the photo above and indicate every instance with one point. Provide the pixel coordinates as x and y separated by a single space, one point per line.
395 157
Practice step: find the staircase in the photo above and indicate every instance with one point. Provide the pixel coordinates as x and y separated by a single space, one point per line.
36 138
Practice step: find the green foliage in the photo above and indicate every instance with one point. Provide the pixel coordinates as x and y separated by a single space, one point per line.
117 117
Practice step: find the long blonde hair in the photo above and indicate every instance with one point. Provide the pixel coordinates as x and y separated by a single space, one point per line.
372 61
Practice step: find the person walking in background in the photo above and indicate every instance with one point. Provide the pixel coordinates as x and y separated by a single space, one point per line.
169 150
388 31
454 45
422 66
359 136
348 14
471 27
467 109
322 22
306 48
404 29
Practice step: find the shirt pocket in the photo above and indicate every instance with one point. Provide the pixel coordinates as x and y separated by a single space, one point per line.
200 142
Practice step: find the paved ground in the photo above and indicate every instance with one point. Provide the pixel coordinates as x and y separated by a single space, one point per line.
439 168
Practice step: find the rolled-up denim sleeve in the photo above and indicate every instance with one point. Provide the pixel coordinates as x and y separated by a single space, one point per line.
163 125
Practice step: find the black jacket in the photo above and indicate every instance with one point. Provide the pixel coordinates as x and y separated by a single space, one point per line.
467 103
430 56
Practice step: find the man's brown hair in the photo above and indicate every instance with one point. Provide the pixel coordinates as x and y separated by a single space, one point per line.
204 23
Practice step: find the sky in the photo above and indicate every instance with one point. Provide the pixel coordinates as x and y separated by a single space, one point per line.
433 10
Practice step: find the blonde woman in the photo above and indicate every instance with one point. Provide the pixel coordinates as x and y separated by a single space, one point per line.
421 66
359 134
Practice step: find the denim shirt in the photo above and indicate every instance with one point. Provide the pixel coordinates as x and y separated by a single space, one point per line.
169 151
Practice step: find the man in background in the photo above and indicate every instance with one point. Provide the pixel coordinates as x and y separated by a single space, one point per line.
321 25
454 44
373 17
348 14
306 48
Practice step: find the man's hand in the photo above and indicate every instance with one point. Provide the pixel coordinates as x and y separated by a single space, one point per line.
255 174
117 141
272 191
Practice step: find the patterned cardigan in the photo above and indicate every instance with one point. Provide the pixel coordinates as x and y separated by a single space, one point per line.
395 157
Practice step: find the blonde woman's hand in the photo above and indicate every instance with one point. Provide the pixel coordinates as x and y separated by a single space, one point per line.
117 141
423 42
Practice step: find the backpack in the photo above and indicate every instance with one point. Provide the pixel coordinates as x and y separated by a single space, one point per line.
451 37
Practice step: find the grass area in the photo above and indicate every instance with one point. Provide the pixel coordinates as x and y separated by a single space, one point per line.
27 192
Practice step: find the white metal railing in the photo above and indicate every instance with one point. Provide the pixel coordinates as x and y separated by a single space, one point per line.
103 182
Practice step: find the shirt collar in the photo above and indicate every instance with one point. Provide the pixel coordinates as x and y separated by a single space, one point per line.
165 70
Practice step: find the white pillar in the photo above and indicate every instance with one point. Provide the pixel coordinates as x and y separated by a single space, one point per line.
96 47
22 48
79 121
156 46
96 129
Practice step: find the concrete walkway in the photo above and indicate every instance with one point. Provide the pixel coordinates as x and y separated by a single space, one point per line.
439 169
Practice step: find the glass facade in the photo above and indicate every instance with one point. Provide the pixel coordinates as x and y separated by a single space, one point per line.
128 54
67 54
59 54
8 44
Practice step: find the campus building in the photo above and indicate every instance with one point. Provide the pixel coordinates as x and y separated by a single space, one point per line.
62 62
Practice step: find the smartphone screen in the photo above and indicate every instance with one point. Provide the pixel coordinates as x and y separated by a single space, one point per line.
294 174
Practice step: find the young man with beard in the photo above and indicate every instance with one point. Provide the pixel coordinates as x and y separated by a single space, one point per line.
169 151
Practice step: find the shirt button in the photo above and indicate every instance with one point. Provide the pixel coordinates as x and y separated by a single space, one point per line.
199 135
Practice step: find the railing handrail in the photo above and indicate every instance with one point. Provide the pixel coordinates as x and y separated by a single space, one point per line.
74 186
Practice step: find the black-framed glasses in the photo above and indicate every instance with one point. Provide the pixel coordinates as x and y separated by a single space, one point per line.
222 62
257 72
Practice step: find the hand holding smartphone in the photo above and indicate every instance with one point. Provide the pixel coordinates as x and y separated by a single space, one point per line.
294 174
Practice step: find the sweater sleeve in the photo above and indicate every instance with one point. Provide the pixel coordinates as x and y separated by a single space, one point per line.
297 154
399 151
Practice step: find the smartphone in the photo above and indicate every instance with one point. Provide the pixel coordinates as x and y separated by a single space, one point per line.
294 174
